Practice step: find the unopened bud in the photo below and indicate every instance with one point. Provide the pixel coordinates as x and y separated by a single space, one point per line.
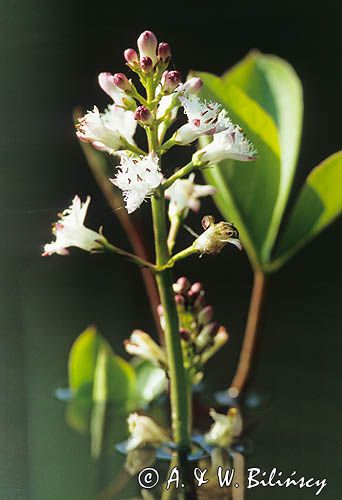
122 81
131 57
185 334
146 64
182 285
164 52
216 236
199 302
205 315
196 287
171 80
206 334
143 115
160 310
147 43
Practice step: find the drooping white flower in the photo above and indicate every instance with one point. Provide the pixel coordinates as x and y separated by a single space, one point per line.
119 96
106 130
70 231
224 428
137 178
184 194
144 432
229 144
204 118
142 345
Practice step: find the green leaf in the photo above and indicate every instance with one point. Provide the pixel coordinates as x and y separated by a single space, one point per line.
273 83
91 361
263 95
83 356
151 381
318 204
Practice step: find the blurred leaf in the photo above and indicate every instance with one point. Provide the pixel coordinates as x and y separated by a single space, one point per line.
83 356
78 410
151 381
318 204
91 361
263 95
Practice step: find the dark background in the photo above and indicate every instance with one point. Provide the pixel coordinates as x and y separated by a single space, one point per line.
51 53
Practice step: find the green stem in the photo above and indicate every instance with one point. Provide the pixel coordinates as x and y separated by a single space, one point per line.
182 172
183 254
178 378
134 258
176 223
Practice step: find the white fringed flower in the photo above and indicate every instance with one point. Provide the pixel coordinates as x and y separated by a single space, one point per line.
71 232
203 119
142 345
119 96
106 130
137 178
184 194
229 144
224 428
144 432
169 104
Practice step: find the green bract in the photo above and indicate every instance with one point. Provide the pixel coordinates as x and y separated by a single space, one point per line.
263 95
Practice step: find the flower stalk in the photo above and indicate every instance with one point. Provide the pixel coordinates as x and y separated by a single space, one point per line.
179 384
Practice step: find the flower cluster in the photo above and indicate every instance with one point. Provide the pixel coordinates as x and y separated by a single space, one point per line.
113 130
201 336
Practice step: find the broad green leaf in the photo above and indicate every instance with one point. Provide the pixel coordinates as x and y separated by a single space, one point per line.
83 356
263 95
318 204
91 361
273 83
151 381
246 192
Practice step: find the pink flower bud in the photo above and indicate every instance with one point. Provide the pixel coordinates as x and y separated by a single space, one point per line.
171 80
146 64
143 115
197 287
164 52
147 43
122 81
183 284
131 57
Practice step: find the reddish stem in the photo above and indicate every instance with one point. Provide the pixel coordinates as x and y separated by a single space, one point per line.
252 327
